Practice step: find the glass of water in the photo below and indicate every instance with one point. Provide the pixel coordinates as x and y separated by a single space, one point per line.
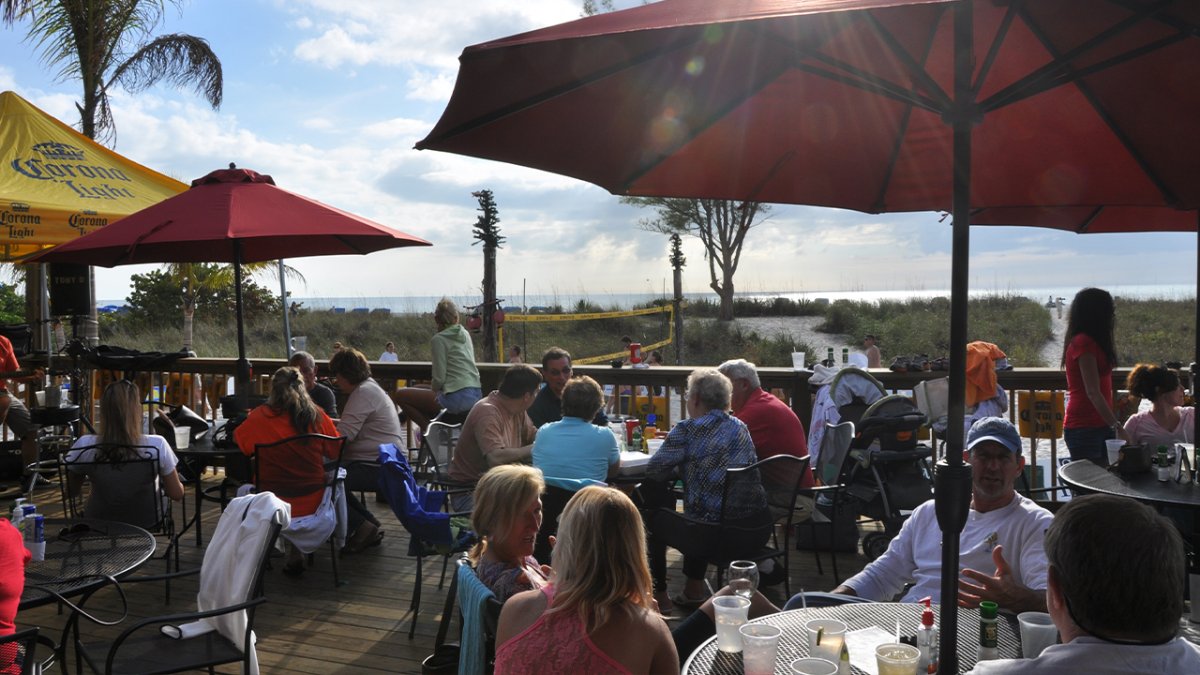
743 577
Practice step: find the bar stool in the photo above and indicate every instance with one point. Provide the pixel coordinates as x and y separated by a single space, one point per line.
56 434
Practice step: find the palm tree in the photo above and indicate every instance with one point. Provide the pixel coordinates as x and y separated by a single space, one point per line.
107 43
218 276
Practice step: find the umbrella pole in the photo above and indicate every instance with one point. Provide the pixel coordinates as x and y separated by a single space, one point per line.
952 482
242 384
287 323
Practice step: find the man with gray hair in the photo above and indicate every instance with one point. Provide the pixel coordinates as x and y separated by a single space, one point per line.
319 393
774 427
1115 592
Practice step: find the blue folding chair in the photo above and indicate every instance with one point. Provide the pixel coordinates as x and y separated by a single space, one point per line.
422 512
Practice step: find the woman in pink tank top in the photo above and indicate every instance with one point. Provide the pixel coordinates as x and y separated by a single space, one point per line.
598 615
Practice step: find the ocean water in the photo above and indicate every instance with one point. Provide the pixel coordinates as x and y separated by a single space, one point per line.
418 304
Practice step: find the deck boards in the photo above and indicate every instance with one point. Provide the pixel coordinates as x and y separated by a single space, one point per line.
309 626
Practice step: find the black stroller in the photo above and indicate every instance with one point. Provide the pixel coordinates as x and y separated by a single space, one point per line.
887 473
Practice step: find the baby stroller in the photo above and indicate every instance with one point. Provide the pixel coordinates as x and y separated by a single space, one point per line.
887 473
843 395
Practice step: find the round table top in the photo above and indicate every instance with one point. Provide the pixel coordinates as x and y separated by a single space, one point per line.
1088 476
77 551
793 643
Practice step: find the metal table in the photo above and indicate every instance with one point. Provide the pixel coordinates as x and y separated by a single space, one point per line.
793 643
79 553
203 453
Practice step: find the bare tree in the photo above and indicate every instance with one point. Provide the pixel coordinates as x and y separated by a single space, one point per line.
720 224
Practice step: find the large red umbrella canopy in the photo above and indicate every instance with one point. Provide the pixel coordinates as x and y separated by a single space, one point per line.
226 210
845 103
1091 219
873 105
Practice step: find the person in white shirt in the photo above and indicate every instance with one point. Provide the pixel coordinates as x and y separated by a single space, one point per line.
389 353
1168 421
1115 592
1004 532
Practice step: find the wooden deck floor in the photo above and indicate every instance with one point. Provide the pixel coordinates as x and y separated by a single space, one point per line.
309 626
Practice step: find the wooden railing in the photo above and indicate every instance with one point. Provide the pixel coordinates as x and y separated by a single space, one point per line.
178 385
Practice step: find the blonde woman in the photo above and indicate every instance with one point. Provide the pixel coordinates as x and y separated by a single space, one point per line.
455 382
116 494
507 517
598 614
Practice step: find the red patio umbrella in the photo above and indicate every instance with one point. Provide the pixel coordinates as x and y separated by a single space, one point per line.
873 105
231 216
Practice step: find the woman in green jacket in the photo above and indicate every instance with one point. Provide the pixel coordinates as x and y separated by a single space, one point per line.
455 385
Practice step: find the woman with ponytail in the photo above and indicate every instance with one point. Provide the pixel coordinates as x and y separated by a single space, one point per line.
1167 422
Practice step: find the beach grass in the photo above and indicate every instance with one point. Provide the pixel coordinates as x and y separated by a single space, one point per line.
1147 330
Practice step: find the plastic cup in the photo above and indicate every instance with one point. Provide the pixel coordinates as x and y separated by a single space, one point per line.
41 398
1114 449
183 436
653 444
797 360
759 644
894 658
833 634
1037 632
730 615
813 666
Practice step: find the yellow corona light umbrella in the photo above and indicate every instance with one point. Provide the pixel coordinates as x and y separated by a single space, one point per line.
56 184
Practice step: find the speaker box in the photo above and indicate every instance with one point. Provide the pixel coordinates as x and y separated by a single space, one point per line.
70 293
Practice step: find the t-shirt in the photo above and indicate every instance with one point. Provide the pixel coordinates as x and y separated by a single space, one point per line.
324 398
8 359
1145 430
915 555
1086 654
389 357
774 428
368 421
122 494
264 425
1080 411
575 448
13 558
489 426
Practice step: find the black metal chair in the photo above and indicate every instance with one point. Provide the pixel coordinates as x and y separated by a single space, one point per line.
284 468
830 477
144 648
125 490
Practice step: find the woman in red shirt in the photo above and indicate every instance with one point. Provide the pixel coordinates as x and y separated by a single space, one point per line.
1089 357
290 412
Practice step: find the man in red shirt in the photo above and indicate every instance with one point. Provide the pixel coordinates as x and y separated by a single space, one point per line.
774 428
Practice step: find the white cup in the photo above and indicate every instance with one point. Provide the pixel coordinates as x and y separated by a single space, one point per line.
1037 632
760 642
1114 446
730 615
813 666
797 360
653 444
833 634
893 658
183 437
41 398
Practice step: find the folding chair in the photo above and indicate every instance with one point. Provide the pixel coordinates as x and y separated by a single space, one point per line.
422 512
829 474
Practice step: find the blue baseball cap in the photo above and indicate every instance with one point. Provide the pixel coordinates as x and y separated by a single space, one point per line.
995 429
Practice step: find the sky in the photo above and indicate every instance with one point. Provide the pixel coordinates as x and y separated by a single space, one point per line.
329 97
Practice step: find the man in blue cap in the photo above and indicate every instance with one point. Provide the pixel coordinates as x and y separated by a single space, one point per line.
1005 532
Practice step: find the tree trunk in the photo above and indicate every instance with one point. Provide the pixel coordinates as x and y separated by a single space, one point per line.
489 304
725 292
189 313
678 302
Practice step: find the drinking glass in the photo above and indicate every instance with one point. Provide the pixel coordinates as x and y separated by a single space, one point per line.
743 577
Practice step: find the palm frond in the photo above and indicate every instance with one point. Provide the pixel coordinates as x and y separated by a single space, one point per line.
182 60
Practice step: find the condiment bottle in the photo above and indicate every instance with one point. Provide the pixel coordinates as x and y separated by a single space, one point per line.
829 357
636 443
18 512
845 355
988 635
927 639
1164 464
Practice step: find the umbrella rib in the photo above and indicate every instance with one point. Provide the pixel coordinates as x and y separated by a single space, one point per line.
902 129
994 51
1089 219
1051 74
554 92
1168 19
1122 137
915 70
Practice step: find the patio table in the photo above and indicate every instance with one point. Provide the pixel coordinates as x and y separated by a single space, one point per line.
793 642
203 452
77 560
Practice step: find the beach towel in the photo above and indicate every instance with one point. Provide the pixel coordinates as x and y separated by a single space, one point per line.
981 371
472 597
